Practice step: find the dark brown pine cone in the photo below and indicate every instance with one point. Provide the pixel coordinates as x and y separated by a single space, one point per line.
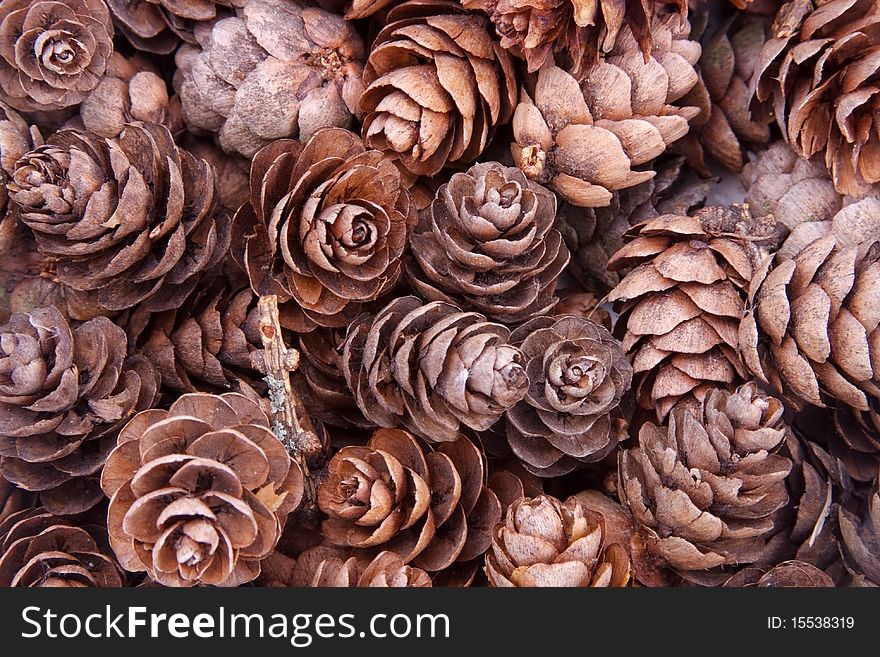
63 396
325 566
577 376
130 221
487 243
326 226
432 368
429 507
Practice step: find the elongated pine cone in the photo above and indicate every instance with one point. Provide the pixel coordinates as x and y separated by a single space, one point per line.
438 86
487 243
17 137
432 368
429 507
704 490
39 549
326 226
133 220
543 542
325 566
63 396
861 540
199 493
570 415
52 54
277 70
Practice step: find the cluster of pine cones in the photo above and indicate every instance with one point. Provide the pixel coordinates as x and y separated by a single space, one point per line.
438 293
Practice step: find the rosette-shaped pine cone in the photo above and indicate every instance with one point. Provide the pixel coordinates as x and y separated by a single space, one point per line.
788 574
681 305
432 368
129 221
487 243
543 542
584 144
860 540
199 493
570 414
704 490
438 86
17 137
52 54
817 74
63 395
326 226
431 508
277 70
324 566
40 549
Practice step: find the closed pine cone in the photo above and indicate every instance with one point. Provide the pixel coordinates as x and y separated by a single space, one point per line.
324 566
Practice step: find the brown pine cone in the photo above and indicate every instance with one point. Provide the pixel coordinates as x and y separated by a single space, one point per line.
487 243
14 499
817 74
63 396
438 86
325 566
200 492
704 490
860 540
432 368
53 53
681 305
17 137
788 574
326 226
570 414
431 508
129 221
232 171
277 70
543 542
40 549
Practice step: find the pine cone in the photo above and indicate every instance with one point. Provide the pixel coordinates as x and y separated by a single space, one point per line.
14 499
200 492
53 53
279 70
41 549
429 507
326 226
817 74
704 490
17 137
432 368
63 395
487 244
129 221
570 415
438 86
325 566
543 542
861 540
682 303
788 574
354 9
232 171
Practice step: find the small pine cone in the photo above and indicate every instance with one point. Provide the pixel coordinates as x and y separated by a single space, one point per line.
199 493
63 396
17 137
40 549
129 221
788 574
432 368
326 226
860 540
542 542
277 70
577 376
429 507
487 243
681 304
438 86
704 490
817 74
323 566
53 53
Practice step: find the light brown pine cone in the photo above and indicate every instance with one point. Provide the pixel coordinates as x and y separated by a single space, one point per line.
325 566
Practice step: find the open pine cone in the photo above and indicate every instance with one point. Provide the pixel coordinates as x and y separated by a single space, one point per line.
325 566
17 137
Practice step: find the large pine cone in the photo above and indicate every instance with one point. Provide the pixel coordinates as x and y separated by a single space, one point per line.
17 137
53 53
704 490
577 376
325 566
200 492
130 221
40 549
432 368
429 507
63 395
438 86
818 74
277 70
487 243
